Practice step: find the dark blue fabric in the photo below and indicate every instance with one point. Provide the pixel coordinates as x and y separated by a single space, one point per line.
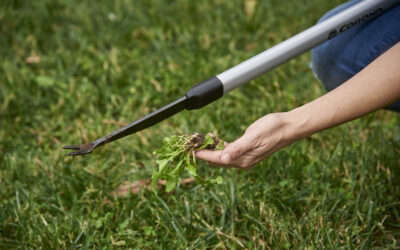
340 58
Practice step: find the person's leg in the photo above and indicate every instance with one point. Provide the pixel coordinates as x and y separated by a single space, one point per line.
340 58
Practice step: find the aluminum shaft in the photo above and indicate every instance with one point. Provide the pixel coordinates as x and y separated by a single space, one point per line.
302 42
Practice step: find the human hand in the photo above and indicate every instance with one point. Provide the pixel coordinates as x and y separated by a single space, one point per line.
262 138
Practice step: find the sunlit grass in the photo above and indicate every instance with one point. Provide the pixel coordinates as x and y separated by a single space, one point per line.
72 71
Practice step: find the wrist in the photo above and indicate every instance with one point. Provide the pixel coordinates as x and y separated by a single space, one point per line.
297 125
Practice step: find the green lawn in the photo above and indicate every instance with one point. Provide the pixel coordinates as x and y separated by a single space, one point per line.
72 71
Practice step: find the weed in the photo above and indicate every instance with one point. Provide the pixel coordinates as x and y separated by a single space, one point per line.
178 154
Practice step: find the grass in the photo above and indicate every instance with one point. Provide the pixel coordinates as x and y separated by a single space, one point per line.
107 63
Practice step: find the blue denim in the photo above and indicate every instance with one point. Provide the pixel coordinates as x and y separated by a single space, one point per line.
340 58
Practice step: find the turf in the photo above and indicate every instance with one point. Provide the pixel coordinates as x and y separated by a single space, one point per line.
72 71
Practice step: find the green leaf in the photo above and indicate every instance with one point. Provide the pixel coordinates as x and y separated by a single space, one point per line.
217 180
154 181
162 164
44 81
98 223
177 169
191 167
220 145
148 230
208 140
124 224
171 184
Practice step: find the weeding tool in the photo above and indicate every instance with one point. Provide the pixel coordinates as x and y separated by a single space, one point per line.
212 89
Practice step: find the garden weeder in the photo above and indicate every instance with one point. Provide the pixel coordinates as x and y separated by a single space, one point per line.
219 85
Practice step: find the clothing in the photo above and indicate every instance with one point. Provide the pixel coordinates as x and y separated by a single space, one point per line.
340 58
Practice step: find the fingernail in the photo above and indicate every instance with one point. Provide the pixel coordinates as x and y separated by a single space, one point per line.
226 157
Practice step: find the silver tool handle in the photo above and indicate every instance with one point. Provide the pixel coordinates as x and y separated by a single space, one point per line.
302 42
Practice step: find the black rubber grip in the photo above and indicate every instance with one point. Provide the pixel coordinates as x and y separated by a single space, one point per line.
204 93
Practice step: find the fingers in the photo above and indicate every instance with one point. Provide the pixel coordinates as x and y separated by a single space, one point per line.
213 157
216 159
232 155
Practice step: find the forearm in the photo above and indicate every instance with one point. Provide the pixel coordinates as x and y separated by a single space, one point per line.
375 87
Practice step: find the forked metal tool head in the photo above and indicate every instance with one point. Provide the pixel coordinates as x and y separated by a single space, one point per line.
135 126
82 149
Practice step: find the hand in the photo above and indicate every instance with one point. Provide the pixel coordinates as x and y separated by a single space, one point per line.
262 138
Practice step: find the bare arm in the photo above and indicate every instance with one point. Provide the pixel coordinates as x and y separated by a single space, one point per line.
375 87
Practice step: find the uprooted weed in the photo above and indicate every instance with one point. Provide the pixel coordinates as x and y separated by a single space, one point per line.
178 153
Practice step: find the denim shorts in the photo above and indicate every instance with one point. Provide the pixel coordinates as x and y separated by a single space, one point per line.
340 58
